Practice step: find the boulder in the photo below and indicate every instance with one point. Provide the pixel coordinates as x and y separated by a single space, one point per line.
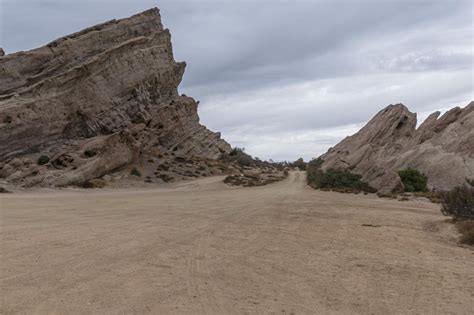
252 173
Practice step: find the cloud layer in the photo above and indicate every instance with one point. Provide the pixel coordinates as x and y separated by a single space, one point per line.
289 78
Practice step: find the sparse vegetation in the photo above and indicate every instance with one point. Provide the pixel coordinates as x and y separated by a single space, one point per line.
466 228
459 203
93 183
338 180
387 195
239 155
246 160
135 172
43 160
313 171
413 180
433 196
300 163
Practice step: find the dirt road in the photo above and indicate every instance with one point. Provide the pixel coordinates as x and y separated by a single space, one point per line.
205 248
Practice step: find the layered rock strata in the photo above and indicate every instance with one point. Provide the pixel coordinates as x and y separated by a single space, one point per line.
95 101
442 147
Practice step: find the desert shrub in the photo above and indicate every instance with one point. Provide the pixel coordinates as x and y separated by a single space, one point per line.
299 163
339 180
93 183
413 180
238 155
343 179
135 172
43 160
466 228
314 172
459 202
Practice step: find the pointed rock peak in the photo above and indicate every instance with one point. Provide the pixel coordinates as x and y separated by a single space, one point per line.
430 120
150 12
394 113
395 108
441 148
448 118
393 120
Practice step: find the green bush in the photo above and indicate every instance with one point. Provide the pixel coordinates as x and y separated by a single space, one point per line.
413 180
43 160
135 172
335 179
459 203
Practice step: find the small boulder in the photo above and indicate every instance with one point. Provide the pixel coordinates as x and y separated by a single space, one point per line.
253 173
107 178
16 163
7 170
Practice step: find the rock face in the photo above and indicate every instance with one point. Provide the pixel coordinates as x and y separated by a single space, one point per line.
441 147
95 101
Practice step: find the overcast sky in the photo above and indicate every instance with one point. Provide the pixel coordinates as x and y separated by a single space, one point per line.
289 78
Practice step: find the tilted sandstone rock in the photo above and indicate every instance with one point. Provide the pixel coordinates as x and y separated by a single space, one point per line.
109 90
441 147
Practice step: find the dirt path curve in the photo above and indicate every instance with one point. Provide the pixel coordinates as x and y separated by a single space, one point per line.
204 248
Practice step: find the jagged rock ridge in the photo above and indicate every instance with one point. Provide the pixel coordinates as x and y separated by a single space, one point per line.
441 147
95 101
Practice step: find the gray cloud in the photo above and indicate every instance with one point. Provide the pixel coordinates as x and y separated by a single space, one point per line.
288 78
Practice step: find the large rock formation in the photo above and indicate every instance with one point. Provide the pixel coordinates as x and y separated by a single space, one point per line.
441 147
95 101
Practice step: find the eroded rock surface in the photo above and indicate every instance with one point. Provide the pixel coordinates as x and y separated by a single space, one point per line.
110 90
441 147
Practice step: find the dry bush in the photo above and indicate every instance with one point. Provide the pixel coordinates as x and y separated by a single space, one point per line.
387 195
459 203
466 228
93 183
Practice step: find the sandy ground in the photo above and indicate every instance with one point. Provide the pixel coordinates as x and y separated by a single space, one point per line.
205 248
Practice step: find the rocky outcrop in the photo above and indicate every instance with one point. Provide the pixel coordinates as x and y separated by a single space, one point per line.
110 90
441 147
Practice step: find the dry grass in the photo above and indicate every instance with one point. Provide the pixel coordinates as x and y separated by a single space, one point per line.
434 197
387 195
